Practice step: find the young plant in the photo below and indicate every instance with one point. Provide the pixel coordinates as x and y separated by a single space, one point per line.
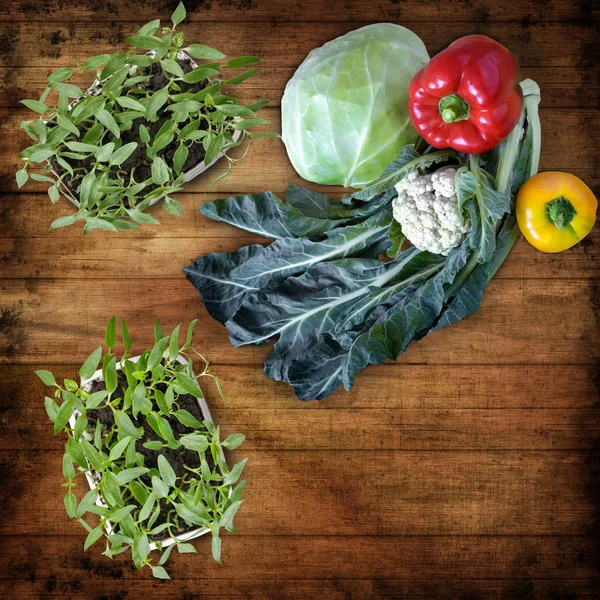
128 141
156 470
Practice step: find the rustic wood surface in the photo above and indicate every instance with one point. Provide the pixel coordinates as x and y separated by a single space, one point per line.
468 469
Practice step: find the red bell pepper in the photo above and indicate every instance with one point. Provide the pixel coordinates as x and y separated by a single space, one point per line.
467 97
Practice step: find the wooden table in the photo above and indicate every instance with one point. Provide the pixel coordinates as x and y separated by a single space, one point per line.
468 469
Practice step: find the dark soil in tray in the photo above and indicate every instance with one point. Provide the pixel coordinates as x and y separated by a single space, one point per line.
177 458
138 160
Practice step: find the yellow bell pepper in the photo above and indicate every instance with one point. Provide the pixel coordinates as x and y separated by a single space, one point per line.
555 210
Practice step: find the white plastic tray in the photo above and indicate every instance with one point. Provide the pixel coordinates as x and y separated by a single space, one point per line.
94 481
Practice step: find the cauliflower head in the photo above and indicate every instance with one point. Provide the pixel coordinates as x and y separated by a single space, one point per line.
427 210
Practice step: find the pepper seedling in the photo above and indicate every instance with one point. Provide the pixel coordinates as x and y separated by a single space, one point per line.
128 141
157 472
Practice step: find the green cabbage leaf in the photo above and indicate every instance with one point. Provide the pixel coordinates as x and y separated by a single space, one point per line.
345 111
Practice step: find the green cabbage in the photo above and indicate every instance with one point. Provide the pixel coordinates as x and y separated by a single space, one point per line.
345 110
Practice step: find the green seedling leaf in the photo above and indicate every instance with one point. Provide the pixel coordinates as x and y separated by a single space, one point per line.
147 507
194 441
75 449
38 153
67 466
109 122
185 548
60 75
71 385
153 445
241 61
51 408
64 413
156 102
160 487
178 15
174 343
123 153
165 556
172 206
190 516
71 504
94 400
243 76
90 365
256 106
169 397
54 194
121 513
110 335
234 441
38 177
181 155
235 473
127 102
199 74
22 177
235 110
67 124
46 377
62 222
149 28
118 449
157 352
216 548
140 493
81 424
35 105
171 66
87 502
249 123
140 217
96 61
167 474
125 335
147 42
111 489
139 395
189 385
82 147
187 418
203 52
166 432
69 90
160 171
125 425
227 519
159 572
93 537
190 333
130 474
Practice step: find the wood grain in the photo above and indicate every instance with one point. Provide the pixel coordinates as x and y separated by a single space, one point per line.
280 11
468 469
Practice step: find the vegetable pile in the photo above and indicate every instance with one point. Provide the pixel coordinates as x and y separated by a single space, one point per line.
321 286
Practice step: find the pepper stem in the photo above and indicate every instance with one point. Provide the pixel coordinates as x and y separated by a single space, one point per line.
560 212
453 108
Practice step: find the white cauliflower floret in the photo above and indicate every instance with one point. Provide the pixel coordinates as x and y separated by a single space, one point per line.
427 210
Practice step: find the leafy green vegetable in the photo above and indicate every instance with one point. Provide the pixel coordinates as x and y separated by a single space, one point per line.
345 111
140 497
321 287
111 149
